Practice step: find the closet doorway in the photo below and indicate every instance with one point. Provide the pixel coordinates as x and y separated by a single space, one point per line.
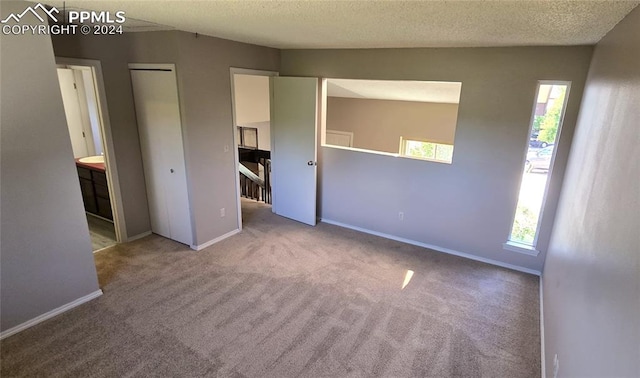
155 94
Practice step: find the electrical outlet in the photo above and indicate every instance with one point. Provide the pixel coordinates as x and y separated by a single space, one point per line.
401 215
222 212
556 366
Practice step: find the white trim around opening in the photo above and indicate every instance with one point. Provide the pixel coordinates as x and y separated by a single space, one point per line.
107 142
241 71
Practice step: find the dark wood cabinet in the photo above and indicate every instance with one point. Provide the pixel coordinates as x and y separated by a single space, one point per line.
88 195
95 192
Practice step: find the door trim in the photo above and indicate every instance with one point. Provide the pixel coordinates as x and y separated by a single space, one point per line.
107 141
236 163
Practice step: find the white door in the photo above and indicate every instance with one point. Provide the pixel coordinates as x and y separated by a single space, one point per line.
73 112
293 128
155 94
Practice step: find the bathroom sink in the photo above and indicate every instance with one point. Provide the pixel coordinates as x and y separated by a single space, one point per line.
92 159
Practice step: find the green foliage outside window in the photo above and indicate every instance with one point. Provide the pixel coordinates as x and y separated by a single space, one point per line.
525 225
551 120
536 125
428 150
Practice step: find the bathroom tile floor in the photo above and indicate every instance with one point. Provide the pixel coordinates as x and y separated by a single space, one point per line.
102 232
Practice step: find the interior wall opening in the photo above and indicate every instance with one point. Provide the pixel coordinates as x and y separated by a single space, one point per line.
411 119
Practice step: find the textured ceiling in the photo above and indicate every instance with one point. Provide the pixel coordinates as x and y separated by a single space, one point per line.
421 91
378 24
131 24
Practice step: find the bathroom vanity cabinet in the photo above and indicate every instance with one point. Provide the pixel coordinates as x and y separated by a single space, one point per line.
95 192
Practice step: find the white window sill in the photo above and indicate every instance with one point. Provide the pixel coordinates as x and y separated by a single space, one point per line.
521 248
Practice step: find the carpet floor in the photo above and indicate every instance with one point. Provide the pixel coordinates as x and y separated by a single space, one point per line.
282 299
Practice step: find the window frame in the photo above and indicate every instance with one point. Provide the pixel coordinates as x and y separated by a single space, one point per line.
520 247
402 151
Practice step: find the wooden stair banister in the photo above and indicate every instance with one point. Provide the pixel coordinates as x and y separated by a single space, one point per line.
252 186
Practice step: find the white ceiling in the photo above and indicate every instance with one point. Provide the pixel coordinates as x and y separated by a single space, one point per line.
421 91
378 24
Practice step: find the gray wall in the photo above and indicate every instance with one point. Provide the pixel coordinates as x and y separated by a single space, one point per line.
205 95
252 102
251 99
46 252
113 52
467 206
591 282
378 124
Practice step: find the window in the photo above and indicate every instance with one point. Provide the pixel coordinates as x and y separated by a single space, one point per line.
426 150
546 124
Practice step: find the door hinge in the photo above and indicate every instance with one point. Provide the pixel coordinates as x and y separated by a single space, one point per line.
75 86
84 136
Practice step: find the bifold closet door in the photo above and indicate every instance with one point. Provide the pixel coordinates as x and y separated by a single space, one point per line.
155 93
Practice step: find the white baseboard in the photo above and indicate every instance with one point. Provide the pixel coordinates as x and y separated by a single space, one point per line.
214 241
542 354
139 236
434 247
50 314
102 249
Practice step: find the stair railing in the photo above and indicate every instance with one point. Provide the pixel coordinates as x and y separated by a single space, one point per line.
254 187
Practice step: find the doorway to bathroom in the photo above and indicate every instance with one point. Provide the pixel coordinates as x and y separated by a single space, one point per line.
84 102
